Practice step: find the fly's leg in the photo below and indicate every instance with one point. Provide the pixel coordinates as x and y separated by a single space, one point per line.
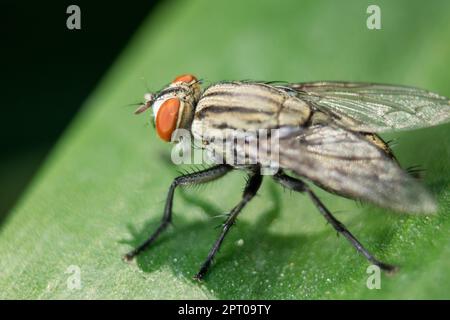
188 179
251 188
300 186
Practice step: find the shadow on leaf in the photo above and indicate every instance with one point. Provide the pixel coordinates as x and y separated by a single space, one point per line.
255 262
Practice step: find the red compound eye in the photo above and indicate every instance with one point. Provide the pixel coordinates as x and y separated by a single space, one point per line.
166 119
188 78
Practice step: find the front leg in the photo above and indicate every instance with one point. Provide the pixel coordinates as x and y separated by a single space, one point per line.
188 179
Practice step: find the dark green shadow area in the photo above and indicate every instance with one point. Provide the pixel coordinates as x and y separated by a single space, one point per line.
48 71
239 263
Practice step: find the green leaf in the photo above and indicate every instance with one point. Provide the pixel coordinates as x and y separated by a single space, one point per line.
102 190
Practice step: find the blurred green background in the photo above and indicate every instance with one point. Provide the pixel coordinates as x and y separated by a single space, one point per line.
101 190
47 73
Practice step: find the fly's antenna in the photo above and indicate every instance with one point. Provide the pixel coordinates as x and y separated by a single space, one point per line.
149 99
135 104
142 108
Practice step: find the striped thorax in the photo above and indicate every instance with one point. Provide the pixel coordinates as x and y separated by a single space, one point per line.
231 106
237 121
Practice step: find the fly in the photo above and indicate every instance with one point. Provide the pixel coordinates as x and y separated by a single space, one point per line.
327 133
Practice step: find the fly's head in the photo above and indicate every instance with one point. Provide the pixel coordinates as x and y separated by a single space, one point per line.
174 106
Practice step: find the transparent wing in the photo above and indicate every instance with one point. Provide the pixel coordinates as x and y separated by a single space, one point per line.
346 163
374 107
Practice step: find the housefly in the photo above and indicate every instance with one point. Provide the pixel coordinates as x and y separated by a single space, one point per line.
327 133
